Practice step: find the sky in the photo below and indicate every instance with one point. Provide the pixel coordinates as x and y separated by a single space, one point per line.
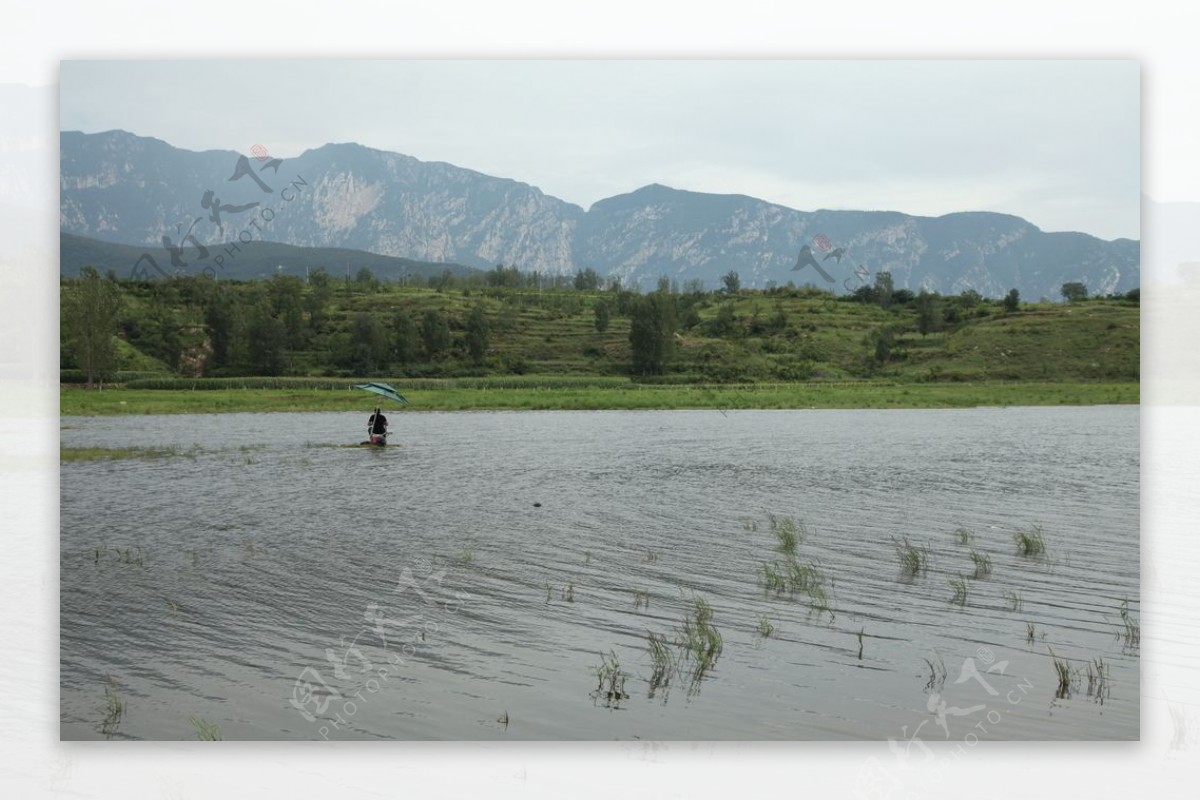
1055 142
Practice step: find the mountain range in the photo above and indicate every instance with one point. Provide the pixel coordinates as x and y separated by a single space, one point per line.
131 190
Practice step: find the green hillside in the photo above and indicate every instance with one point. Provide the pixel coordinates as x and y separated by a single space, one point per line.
464 327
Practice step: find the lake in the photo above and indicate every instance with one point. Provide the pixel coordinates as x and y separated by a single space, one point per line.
604 575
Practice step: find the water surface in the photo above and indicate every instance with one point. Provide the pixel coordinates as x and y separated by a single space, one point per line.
465 582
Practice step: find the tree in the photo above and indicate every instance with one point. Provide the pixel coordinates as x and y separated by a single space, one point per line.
366 280
320 293
732 282
725 321
435 334
652 333
929 313
602 315
266 337
221 319
368 345
880 341
884 288
477 333
1074 290
406 340
90 307
1012 301
287 304
969 298
587 279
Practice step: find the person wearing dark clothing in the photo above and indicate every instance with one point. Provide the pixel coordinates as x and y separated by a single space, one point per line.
377 423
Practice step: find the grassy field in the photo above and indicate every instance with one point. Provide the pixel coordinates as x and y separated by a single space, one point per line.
856 395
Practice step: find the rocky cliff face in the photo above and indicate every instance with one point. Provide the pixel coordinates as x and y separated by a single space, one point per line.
132 190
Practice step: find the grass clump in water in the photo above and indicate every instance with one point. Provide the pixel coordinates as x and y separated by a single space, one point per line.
206 730
787 531
611 680
1013 600
914 560
702 642
641 599
663 663
937 672
568 593
1066 677
113 709
114 454
959 586
983 564
1031 542
964 536
1097 680
1131 627
765 628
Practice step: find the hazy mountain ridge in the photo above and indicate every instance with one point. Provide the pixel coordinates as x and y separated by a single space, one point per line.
132 190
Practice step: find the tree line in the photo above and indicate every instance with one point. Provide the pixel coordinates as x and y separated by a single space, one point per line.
360 327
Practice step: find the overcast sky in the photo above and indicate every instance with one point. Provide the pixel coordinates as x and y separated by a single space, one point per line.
1055 142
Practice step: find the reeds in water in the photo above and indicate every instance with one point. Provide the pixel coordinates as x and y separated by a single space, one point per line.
959 586
205 730
983 564
1031 542
914 560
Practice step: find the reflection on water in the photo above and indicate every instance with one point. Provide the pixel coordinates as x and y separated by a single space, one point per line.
598 575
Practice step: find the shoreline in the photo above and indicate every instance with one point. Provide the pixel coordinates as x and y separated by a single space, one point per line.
78 402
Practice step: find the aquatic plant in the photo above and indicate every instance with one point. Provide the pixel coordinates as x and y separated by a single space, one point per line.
1131 627
860 641
549 590
959 585
914 560
765 627
172 607
787 531
641 599
701 639
1013 600
749 524
130 556
937 672
964 536
113 709
568 593
1067 678
467 556
1031 542
611 680
205 730
794 577
1030 632
983 564
663 662
651 556
1097 679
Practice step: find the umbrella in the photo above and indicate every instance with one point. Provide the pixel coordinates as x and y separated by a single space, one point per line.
386 390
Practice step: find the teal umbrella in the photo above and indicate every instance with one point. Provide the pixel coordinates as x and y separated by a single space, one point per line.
386 390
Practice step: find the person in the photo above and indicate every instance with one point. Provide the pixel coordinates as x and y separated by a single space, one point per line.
377 423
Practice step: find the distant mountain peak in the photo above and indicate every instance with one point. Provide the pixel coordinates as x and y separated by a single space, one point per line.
122 188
